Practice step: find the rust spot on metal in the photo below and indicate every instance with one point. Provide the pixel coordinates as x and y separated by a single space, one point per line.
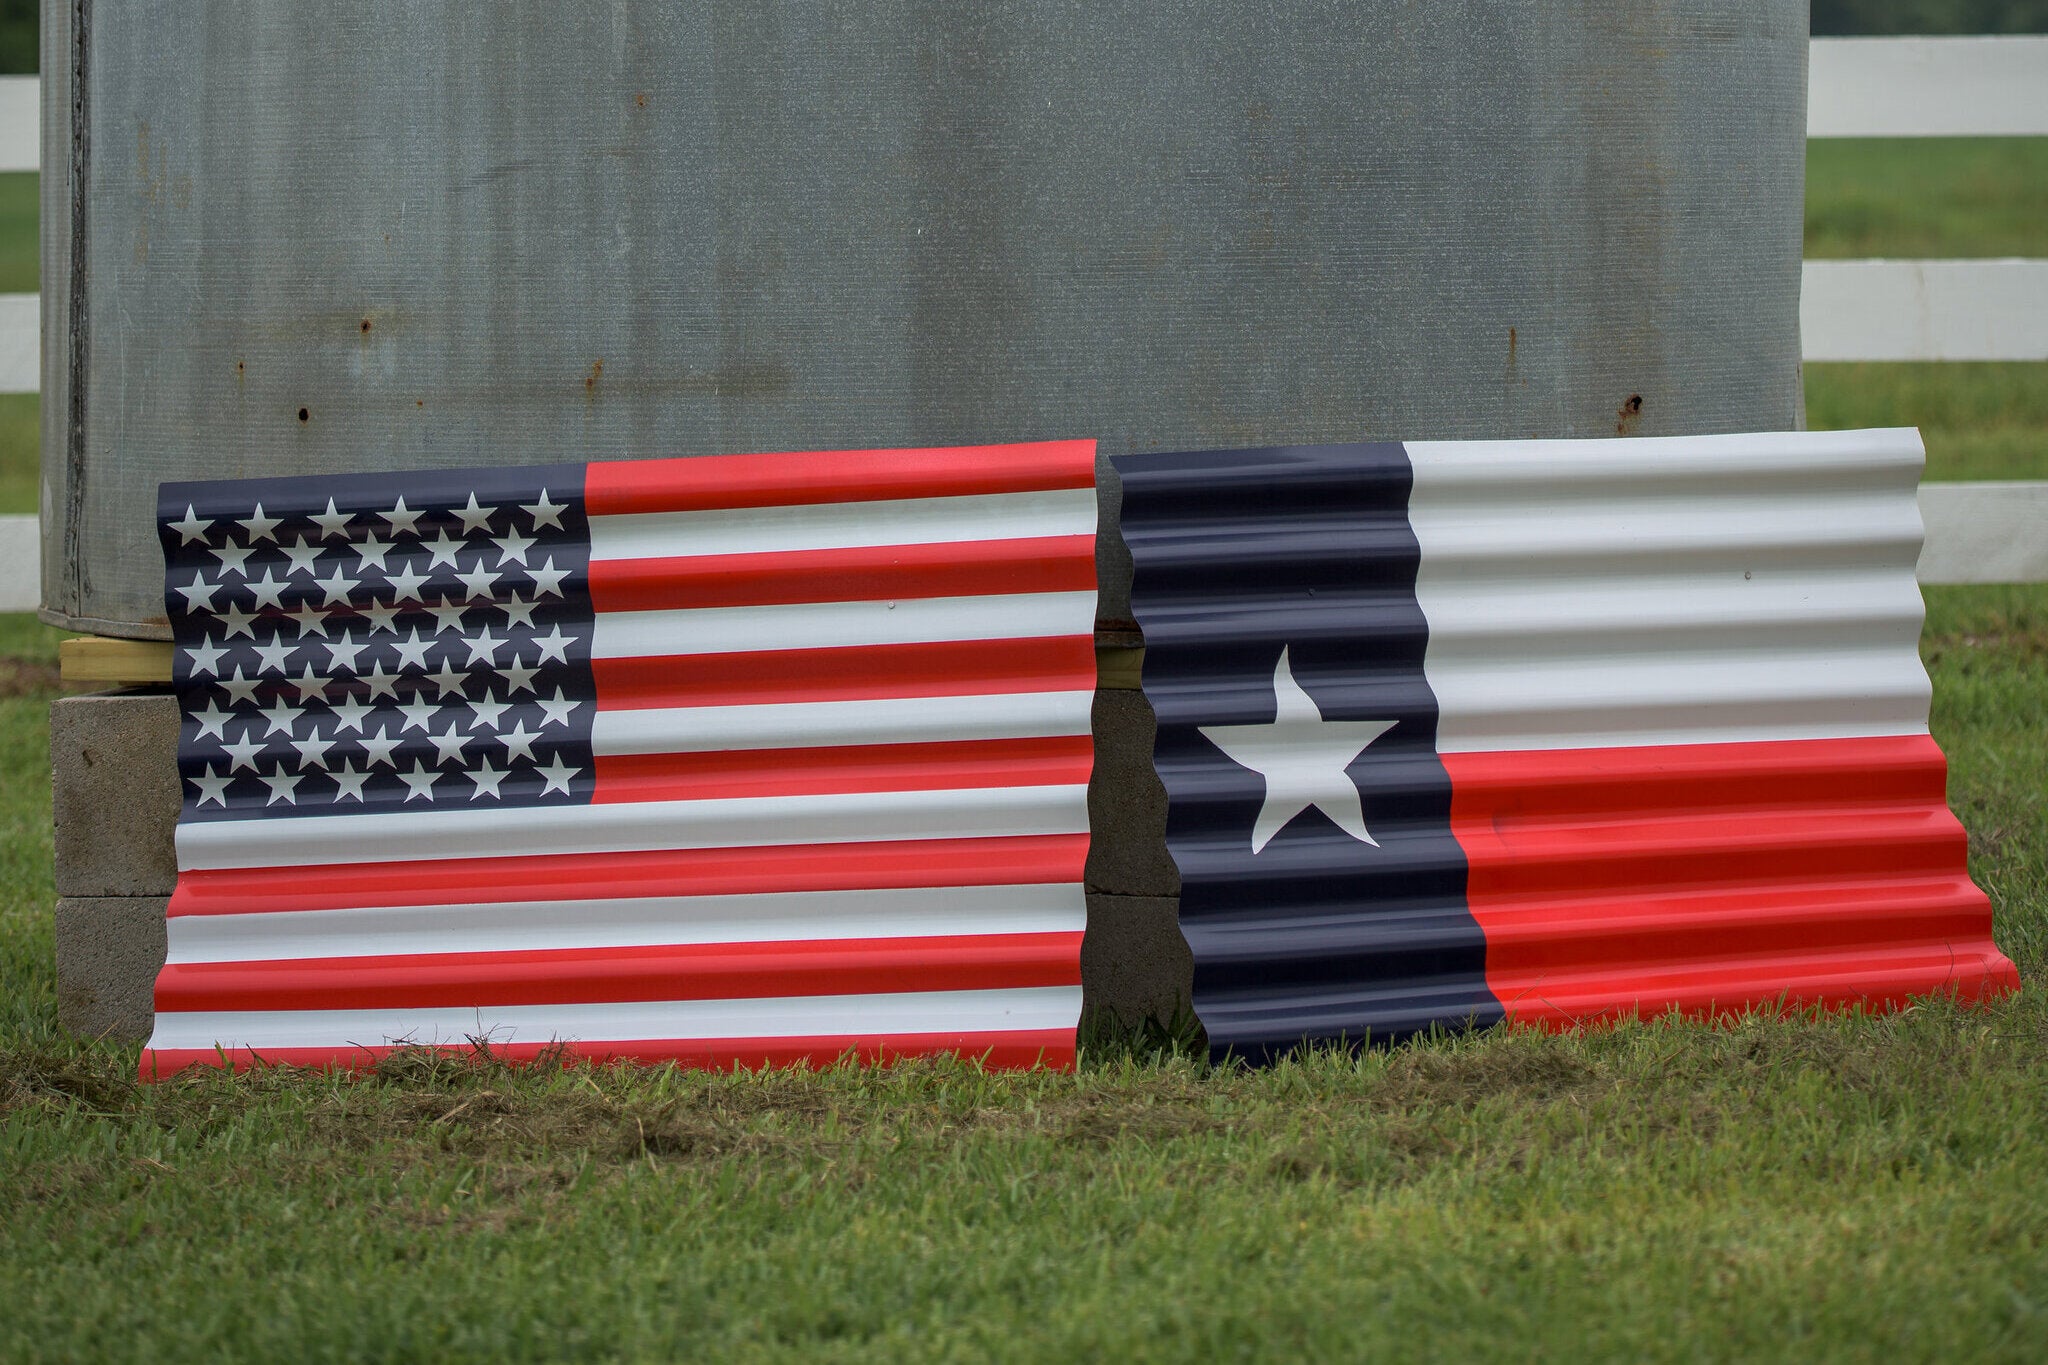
1628 414
305 416
366 324
596 373
241 369
640 100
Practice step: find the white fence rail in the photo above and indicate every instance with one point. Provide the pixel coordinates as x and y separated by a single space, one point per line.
1927 87
1924 310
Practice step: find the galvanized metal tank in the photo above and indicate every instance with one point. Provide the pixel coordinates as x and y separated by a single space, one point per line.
297 237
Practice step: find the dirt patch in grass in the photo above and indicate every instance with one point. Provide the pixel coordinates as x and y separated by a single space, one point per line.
27 679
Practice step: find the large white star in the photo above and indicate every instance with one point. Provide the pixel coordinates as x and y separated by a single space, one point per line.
1302 758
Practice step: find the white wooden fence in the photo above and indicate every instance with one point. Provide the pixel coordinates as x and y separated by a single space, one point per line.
1848 310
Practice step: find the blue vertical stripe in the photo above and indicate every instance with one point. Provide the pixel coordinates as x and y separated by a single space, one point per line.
1319 936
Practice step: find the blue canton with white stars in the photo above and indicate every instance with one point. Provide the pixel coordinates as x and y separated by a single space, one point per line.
381 642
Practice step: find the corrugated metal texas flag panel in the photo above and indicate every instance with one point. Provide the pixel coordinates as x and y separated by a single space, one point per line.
732 760
1549 730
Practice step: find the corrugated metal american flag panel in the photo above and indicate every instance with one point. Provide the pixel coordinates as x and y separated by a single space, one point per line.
732 760
1547 730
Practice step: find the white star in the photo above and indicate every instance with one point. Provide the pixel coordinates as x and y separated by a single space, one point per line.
311 686
479 581
283 787
442 549
233 557
280 716
448 745
349 714
239 688
378 749
380 617
406 585
554 645
545 513
518 741
420 780
242 753
487 712
557 775
309 619
370 553
448 615
512 546
475 518
271 658
486 778
412 651
205 659
418 714
518 678
404 521
212 788
547 579
333 523
312 751
349 780
447 679
337 589
193 527
261 527
518 611
341 655
302 555
1302 758
268 590
199 594
382 684
557 711
235 621
483 647
213 721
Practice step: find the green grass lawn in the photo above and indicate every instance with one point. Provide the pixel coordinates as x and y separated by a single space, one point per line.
1927 197
1847 1188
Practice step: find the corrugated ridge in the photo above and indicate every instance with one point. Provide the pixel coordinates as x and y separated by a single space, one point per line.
1239 555
1716 879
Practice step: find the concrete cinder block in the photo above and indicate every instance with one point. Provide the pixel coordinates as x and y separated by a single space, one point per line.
109 950
115 793
1134 962
1126 804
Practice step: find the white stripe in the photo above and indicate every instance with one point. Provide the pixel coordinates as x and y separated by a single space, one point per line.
832 625
1597 594
832 1016
844 525
633 826
635 922
889 720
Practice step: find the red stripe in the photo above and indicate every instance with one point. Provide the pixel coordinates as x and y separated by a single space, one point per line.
865 573
1050 761
1716 878
579 976
955 668
1024 859
613 488
1009 1050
